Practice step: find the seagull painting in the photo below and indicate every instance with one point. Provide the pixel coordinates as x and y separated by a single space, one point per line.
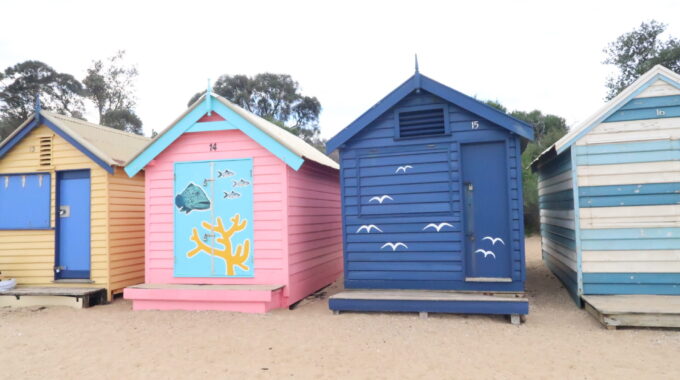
438 227
403 169
486 253
368 228
394 246
493 240
380 199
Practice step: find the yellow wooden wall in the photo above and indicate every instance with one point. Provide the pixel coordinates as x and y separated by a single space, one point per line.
126 229
28 255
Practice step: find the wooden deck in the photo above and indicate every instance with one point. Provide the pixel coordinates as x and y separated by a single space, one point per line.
634 310
425 301
77 297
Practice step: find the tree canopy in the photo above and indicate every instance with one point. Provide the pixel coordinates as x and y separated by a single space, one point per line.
275 97
637 51
109 84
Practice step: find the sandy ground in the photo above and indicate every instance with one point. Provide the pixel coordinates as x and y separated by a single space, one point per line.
557 341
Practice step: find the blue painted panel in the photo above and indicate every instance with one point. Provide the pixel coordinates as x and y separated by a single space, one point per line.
214 219
632 233
559 165
487 233
467 307
630 195
631 283
25 201
7 145
634 152
652 102
644 114
642 146
211 126
515 286
73 224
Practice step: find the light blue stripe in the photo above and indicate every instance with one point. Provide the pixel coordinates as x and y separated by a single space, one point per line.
653 102
630 200
629 244
635 93
631 157
643 146
641 189
559 165
662 289
564 195
211 126
577 232
644 114
632 233
632 278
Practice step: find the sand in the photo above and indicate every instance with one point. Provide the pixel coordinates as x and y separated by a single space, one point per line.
558 340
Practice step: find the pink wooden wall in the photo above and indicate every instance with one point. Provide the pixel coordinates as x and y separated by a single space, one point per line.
314 228
269 176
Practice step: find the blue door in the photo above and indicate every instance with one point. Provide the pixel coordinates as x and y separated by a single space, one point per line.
485 197
73 225
213 205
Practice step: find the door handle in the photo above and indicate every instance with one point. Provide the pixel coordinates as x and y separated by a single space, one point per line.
64 211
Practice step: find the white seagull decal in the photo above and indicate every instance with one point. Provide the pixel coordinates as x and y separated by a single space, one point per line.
403 168
368 228
493 240
437 227
486 253
380 199
394 246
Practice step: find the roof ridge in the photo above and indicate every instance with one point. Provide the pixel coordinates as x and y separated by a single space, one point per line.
97 126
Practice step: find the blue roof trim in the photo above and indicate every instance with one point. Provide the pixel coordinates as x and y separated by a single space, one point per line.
40 120
616 108
76 144
233 121
419 81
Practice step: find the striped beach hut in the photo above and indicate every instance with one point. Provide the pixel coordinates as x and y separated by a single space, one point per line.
609 194
71 220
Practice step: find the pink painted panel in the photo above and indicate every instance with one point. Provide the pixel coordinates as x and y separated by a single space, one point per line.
314 229
270 193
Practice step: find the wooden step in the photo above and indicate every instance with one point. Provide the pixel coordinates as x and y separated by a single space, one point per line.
634 310
77 297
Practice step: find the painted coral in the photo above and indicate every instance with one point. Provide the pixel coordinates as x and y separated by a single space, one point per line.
223 236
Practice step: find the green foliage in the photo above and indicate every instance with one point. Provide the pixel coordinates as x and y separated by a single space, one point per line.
275 97
547 130
636 52
109 85
19 85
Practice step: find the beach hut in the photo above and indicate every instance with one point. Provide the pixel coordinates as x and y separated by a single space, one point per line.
609 194
71 220
432 205
241 214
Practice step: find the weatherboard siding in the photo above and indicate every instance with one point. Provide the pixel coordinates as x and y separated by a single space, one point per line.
314 226
558 221
270 197
628 170
126 229
429 193
28 255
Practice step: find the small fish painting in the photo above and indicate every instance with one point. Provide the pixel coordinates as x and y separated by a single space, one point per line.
241 183
225 173
193 198
232 195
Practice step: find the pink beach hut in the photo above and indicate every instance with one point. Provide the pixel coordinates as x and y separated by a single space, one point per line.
240 214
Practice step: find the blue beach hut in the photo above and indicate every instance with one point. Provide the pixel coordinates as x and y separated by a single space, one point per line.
432 205
610 206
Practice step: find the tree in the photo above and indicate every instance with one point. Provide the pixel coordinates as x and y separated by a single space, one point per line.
275 97
547 130
109 85
635 52
19 85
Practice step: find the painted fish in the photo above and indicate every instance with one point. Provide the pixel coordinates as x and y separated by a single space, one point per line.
192 198
241 183
225 173
232 195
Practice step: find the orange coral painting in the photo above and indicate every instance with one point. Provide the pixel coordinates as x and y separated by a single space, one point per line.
233 257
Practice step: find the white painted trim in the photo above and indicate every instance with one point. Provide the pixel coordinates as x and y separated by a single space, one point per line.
631 267
629 174
658 88
630 217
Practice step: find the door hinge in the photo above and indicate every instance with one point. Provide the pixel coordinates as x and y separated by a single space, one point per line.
59 268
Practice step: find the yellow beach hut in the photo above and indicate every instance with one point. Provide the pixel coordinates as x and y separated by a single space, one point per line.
71 220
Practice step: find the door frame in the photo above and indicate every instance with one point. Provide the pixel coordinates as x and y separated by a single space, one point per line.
57 223
461 188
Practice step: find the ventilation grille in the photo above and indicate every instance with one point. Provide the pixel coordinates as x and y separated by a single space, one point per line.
422 123
45 151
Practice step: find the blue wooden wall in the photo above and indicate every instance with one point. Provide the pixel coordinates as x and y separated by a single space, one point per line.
430 193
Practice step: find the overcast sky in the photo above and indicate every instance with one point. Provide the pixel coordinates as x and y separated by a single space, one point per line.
526 54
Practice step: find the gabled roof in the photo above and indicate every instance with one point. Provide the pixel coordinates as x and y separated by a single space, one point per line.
419 81
289 148
657 72
106 146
